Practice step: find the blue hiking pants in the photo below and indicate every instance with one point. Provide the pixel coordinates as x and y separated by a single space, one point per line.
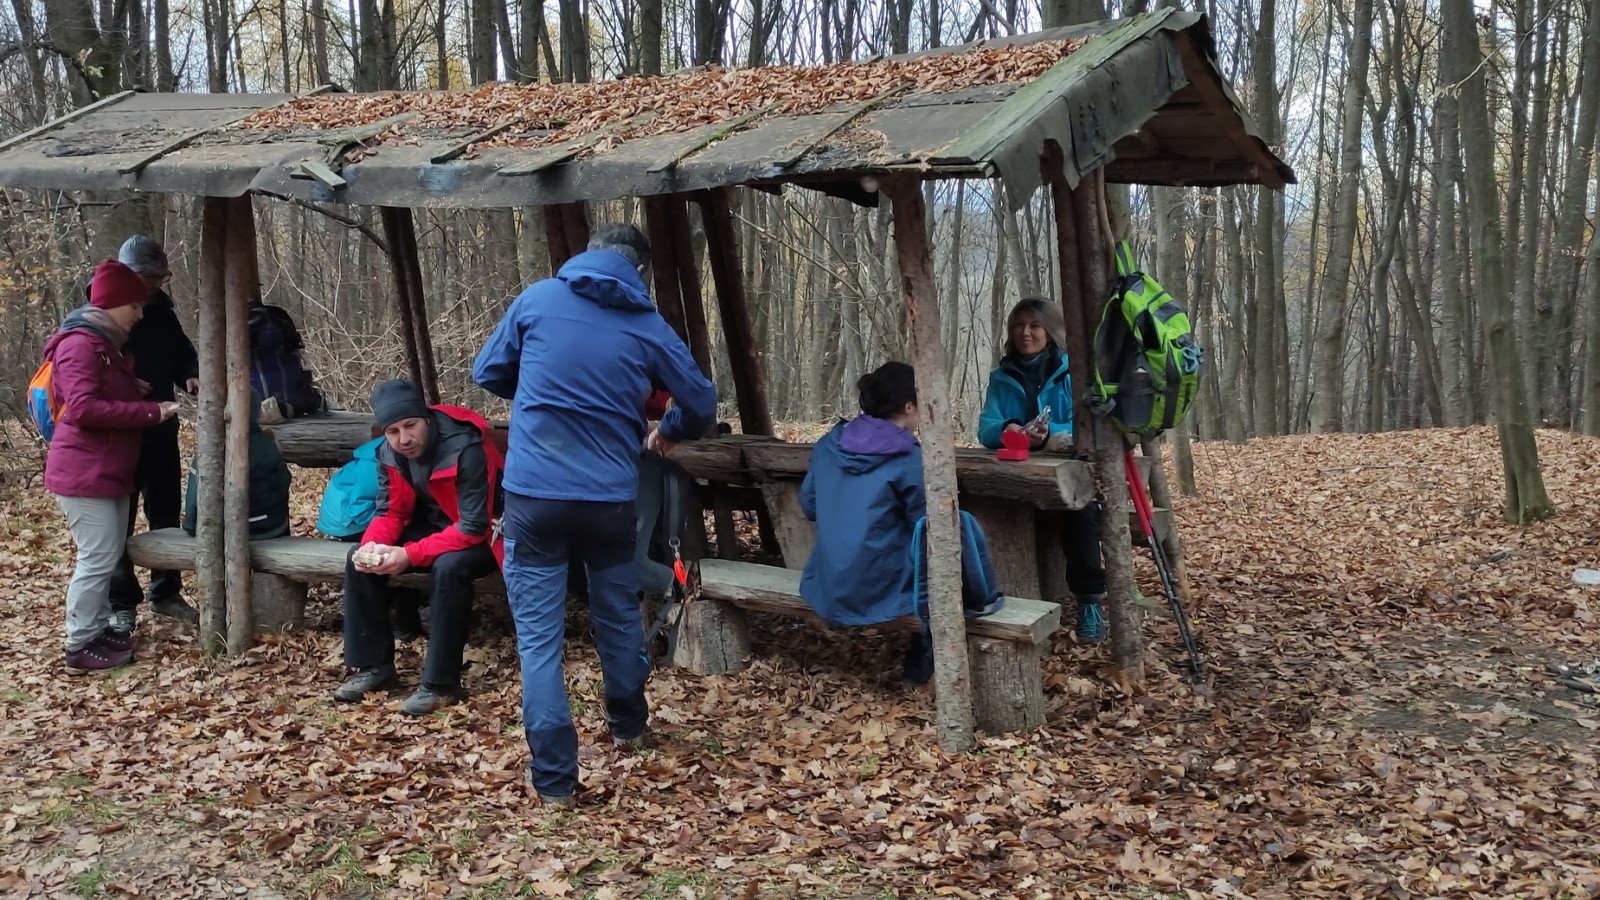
539 537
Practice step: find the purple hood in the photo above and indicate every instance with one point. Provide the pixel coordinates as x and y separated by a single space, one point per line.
868 436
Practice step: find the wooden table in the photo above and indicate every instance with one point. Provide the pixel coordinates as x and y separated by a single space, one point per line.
1017 503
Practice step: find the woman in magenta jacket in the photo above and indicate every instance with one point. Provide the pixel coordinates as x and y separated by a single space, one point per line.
95 451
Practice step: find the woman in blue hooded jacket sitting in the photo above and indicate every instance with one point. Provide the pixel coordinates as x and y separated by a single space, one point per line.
864 491
1032 376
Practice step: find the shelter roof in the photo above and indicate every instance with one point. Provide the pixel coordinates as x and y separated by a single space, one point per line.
1141 96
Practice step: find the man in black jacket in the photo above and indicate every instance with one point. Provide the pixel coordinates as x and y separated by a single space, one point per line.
164 358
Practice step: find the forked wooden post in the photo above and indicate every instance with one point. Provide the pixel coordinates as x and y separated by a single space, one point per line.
694 303
555 237
575 222
744 354
952 677
239 288
402 292
210 570
408 265
664 264
1105 449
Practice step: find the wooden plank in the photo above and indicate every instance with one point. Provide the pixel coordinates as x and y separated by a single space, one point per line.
769 589
455 150
797 151
544 157
79 113
320 172
306 560
1034 98
713 134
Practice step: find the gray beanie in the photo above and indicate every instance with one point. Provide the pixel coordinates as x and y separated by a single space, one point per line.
141 254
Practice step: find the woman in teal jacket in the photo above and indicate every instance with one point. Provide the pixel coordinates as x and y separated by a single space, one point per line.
1031 376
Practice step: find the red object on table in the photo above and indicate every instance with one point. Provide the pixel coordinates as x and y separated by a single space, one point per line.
1015 446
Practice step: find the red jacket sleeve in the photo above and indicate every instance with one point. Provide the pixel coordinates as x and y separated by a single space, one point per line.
76 377
395 501
472 519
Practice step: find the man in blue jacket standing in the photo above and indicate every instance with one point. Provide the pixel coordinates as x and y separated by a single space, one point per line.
577 355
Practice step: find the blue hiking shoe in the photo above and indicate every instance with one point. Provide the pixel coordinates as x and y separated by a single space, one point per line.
1092 627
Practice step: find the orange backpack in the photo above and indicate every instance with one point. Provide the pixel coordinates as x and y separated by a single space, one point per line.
44 407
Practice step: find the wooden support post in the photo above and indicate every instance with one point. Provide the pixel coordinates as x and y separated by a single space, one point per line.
238 289
210 338
1006 675
744 354
279 603
575 222
555 237
664 263
1105 449
713 638
722 515
402 291
1079 311
952 679
1012 545
694 303
793 532
408 265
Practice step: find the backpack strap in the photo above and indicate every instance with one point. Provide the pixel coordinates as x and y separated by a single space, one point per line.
1126 264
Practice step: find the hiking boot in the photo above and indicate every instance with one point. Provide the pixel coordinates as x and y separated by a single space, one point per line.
94 658
637 742
174 607
114 640
427 699
364 682
124 620
553 802
1091 628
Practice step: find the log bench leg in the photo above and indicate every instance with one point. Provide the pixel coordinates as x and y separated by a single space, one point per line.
280 604
713 638
1007 691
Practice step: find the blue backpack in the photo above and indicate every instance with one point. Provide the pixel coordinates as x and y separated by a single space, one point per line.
351 498
980 590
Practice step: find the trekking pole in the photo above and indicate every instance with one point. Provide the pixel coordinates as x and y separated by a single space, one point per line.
1141 505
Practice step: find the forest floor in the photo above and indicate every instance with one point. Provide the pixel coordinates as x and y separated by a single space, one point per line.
1380 721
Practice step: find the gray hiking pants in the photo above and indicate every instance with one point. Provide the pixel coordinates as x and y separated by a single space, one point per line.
100 529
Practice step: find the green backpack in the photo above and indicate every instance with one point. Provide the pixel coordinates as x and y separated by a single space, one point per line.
1147 364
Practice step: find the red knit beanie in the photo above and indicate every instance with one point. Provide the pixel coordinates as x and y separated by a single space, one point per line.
116 285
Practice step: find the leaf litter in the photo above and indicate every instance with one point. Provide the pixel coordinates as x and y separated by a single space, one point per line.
1384 720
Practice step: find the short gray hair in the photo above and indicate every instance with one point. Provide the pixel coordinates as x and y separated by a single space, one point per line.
142 254
625 239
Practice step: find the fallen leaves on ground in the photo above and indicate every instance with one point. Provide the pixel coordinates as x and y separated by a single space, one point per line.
1380 722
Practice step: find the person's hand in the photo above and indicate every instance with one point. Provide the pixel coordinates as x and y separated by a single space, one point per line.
657 444
1037 434
363 558
191 387
169 409
1012 426
396 560
144 387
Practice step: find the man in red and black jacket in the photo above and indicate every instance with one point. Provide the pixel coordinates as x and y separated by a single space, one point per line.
438 474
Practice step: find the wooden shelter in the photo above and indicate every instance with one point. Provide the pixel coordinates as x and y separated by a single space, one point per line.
1136 100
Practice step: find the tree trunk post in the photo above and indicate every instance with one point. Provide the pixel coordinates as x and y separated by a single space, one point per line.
555 236
694 303
402 295
664 264
408 264
575 222
744 354
1105 446
238 291
952 675
210 558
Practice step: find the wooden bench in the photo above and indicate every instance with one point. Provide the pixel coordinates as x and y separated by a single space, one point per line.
281 568
1005 648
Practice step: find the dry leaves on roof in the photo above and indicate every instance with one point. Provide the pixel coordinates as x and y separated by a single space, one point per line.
680 102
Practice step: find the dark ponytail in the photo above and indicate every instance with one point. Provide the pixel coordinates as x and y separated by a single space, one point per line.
885 391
